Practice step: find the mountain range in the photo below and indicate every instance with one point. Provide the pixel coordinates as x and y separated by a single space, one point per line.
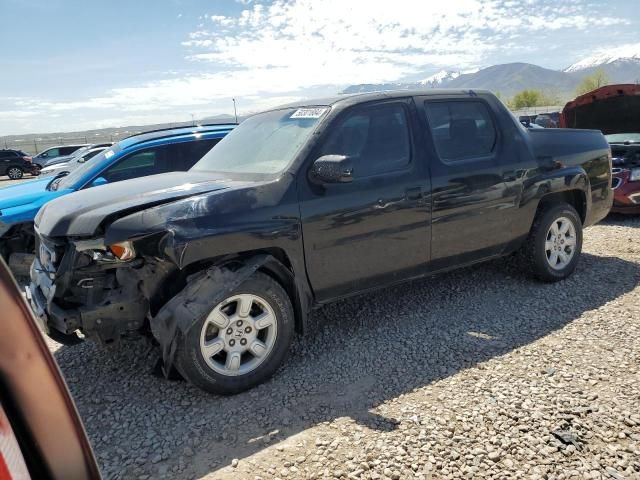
511 78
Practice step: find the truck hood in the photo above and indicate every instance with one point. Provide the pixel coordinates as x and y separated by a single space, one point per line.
82 213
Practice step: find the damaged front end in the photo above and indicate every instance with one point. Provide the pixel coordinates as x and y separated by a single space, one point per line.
89 287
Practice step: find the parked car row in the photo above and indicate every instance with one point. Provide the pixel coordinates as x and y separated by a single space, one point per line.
294 208
140 155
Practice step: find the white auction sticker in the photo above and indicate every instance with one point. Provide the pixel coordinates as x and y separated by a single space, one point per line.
309 112
109 153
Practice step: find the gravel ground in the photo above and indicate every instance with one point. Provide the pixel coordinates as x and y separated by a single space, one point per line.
480 373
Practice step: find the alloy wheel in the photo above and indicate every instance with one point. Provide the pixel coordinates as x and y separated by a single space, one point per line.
238 334
560 244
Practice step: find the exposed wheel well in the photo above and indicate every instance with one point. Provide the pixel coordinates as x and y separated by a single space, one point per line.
280 270
576 198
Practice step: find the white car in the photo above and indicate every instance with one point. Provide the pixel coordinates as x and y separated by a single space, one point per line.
68 166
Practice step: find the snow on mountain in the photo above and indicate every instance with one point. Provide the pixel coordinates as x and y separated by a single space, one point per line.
439 78
604 57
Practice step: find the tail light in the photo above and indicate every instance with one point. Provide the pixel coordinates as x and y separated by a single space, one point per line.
12 465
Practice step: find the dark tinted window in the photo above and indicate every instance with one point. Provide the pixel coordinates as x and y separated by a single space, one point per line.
183 156
145 162
376 138
68 150
8 154
461 129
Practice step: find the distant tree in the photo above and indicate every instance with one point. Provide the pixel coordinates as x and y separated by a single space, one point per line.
597 79
525 98
532 98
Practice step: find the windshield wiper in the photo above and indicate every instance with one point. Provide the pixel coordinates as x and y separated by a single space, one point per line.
53 184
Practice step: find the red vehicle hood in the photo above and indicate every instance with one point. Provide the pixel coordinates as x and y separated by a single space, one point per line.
611 109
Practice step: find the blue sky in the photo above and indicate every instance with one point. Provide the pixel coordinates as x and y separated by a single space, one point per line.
72 64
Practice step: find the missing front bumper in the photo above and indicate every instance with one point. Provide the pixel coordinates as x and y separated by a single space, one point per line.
120 311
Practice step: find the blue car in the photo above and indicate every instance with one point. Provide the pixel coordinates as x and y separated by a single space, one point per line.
148 153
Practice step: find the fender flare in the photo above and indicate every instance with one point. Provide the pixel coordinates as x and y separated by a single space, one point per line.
181 313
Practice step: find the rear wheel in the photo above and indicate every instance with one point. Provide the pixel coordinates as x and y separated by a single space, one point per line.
15 173
243 339
553 248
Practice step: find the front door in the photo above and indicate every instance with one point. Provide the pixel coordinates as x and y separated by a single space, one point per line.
374 230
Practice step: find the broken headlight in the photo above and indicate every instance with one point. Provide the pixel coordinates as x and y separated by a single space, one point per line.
123 250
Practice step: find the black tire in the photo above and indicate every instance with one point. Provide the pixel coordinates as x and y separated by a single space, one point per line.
534 252
15 173
191 364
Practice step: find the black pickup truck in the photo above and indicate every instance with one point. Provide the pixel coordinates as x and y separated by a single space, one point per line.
306 204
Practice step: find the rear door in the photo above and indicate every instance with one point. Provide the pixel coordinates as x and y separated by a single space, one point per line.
471 162
374 230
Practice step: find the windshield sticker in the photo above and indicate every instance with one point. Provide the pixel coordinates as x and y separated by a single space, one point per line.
309 112
109 154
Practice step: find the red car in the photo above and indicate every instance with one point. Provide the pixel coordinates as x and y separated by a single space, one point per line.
613 109
625 152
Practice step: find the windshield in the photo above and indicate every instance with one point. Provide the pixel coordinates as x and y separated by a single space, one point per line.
79 172
623 137
263 144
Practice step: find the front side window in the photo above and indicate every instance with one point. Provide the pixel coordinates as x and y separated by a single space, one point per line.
375 138
139 164
52 152
461 129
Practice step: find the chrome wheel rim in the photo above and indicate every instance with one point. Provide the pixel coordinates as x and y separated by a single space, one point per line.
238 335
14 173
560 245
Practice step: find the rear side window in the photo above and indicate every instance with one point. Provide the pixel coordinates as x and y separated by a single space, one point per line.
68 150
461 129
376 138
183 156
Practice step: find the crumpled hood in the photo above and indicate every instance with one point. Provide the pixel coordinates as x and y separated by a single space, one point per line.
82 213
23 193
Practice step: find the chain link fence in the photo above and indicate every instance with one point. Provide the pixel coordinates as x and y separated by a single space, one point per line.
37 143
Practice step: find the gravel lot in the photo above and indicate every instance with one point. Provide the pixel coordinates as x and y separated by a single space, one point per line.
480 373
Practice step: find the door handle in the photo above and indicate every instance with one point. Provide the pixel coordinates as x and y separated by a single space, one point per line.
414 193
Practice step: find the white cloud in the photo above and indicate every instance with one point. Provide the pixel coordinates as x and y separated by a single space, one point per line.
294 48
294 43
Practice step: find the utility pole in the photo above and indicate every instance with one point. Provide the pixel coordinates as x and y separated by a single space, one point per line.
193 120
235 111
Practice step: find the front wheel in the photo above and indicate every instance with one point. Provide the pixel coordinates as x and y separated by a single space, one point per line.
553 247
242 341
15 173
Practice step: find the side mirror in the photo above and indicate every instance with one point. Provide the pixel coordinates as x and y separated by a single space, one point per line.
332 169
99 181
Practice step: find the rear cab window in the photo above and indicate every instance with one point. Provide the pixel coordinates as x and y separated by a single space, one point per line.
461 129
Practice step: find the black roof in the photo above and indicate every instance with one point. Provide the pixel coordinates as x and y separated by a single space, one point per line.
355 98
